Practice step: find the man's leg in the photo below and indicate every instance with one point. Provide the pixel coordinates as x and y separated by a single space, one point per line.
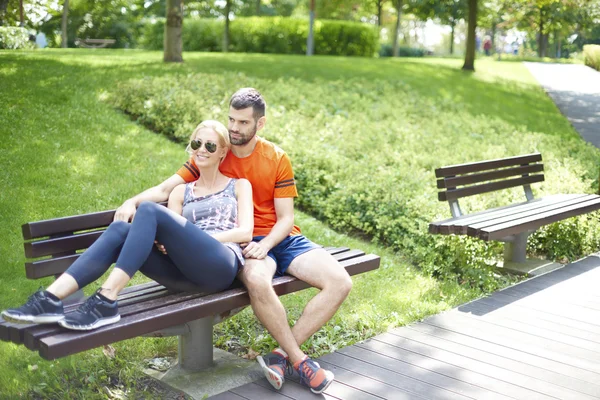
257 276
318 268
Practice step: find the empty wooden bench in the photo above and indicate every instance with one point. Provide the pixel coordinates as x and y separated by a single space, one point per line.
94 43
147 309
510 224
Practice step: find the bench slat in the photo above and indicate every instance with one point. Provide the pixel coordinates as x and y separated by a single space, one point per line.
49 247
474 228
486 165
459 225
499 231
68 343
454 194
488 176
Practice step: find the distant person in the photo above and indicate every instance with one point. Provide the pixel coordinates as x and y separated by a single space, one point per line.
487 46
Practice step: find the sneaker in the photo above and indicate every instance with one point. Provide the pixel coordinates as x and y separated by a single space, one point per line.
95 312
275 365
313 376
40 308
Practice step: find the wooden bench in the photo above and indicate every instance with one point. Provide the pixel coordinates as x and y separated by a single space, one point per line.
93 43
510 224
146 309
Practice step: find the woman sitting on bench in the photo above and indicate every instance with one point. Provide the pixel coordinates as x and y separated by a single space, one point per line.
199 251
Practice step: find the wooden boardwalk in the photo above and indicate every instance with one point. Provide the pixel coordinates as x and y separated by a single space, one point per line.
539 339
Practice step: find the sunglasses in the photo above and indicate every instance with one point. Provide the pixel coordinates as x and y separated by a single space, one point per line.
211 147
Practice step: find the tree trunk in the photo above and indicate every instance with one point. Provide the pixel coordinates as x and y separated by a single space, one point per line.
470 54
257 7
63 26
379 7
452 25
558 40
173 45
21 16
541 44
3 7
226 31
310 41
494 28
396 51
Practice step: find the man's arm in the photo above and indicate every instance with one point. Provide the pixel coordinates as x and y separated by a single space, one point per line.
156 194
284 208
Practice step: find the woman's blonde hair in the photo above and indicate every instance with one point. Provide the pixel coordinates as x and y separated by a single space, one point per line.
216 126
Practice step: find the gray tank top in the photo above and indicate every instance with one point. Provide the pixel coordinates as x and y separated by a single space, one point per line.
213 213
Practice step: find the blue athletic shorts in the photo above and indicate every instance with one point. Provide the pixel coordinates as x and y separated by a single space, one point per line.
288 249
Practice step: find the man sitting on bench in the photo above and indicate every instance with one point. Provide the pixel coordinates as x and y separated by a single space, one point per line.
277 246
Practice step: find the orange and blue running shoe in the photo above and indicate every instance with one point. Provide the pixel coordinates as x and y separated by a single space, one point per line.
274 365
313 376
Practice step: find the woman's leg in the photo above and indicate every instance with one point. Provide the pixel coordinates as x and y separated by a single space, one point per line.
93 263
45 306
203 260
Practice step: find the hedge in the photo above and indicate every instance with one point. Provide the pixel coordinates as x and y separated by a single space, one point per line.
591 53
363 162
387 50
15 37
281 35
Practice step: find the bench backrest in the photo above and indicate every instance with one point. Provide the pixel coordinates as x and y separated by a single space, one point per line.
464 180
62 240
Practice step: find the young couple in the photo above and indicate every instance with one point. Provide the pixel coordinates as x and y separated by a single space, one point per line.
230 212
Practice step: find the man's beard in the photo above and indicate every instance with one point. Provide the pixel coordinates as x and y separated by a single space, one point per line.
243 139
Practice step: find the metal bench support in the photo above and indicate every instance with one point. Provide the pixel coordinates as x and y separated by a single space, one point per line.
515 248
196 346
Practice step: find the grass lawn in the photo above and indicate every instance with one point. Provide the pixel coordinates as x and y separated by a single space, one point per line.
65 150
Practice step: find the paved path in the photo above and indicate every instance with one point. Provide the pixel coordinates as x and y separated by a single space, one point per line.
575 89
539 339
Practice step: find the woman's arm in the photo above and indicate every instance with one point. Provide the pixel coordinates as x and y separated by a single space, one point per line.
176 199
243 232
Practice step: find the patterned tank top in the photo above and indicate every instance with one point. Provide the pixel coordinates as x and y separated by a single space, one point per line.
216 212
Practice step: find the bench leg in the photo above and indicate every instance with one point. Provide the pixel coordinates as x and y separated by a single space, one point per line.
516 249
196 346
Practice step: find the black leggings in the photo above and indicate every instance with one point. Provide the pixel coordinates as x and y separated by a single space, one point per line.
195 260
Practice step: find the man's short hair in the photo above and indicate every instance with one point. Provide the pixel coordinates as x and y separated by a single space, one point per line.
249 97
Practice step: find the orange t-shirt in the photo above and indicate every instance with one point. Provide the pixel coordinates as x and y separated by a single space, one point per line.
268 169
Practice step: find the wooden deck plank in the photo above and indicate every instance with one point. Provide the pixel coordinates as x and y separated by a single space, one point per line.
480 353
506 381
402 380
450 366
294 390
429 371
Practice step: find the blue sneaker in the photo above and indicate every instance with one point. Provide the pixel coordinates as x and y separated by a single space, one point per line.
95 312
313 376
275 365
40 308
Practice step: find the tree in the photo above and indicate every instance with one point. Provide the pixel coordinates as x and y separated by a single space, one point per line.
173 44
450 12
396 45
226 30
310 41
469 64
63 26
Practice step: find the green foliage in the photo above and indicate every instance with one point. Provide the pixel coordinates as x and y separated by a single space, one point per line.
13 37
387 50
362 149
269 35
592 56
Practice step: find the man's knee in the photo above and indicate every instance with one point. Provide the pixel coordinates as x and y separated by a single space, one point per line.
257 276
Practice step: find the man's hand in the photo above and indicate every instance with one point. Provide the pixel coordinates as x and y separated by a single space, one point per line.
125 212
160 247
255 250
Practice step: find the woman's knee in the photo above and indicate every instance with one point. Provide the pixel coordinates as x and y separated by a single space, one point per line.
119 228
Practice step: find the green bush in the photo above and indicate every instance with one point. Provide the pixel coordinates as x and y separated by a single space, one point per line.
386 50
15 37
281 35
591 53
361 149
